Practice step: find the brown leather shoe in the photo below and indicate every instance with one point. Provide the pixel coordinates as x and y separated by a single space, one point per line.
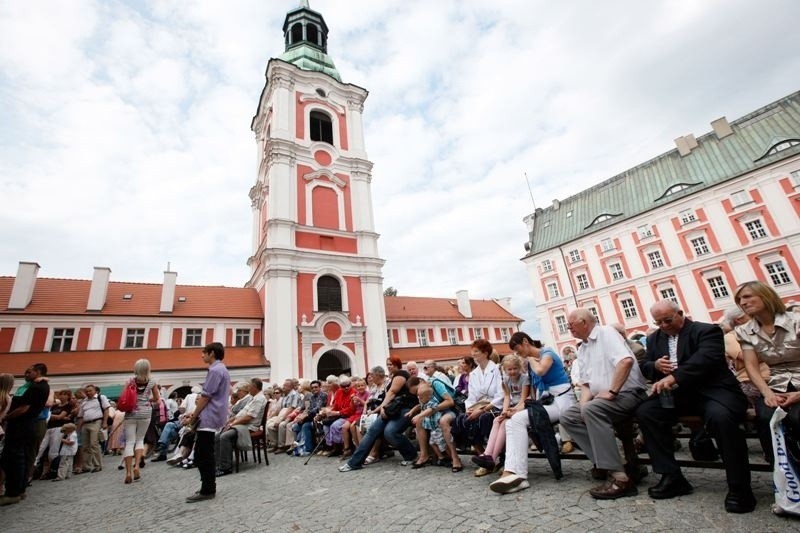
613 489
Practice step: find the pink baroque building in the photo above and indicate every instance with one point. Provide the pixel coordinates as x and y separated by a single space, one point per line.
688 225
314 303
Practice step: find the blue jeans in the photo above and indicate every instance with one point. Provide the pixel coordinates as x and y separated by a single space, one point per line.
306 430
392 431
167 434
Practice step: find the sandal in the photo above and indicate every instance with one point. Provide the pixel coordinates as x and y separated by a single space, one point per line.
136 475
370 460
457 469
423 464
128 480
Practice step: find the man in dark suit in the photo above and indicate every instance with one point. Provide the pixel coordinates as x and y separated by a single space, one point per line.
686 362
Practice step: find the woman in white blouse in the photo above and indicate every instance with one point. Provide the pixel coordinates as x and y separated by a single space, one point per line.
484 402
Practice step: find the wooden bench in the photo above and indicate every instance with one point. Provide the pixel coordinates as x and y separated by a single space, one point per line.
626 435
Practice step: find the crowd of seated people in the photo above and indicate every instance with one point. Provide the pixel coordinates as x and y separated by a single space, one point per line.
493 408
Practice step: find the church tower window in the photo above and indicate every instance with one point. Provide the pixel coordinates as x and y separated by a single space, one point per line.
329 294
321 127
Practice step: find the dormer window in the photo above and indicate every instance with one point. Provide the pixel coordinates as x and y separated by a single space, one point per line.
599 219
676 188
785 145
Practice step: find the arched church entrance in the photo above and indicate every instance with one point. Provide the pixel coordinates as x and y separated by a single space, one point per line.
334 362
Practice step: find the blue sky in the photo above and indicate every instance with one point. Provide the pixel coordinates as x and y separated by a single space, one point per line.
126 141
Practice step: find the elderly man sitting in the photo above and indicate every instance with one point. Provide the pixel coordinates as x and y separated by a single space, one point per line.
237 431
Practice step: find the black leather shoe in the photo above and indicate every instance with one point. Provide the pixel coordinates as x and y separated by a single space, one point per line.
670 486
741 501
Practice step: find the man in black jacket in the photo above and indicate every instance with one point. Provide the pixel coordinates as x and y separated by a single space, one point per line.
686 362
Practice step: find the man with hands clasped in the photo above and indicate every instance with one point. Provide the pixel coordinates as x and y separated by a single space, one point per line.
686 362
612 387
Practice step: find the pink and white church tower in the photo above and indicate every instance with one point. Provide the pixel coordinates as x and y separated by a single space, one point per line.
315 261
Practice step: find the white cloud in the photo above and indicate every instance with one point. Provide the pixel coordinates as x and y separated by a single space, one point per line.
126 135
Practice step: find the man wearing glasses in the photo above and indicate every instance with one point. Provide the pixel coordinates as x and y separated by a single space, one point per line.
686 362
611 387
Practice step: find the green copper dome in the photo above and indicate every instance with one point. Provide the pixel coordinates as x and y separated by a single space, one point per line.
306 37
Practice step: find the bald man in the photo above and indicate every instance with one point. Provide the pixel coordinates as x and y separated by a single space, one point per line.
686 360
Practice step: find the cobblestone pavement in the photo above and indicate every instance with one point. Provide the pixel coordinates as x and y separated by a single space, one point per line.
287 496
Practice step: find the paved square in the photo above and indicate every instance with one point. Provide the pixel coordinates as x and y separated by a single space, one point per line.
287 496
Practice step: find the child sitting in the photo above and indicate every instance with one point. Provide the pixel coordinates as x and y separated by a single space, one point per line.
516 388
67 450
431 422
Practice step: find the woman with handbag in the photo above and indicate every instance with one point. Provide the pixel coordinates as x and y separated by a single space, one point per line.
138 420
391 423
772 336
553 387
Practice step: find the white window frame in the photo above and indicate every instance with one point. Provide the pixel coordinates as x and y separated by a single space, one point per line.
628 307
583 281
452 336
777 273
668 293
655 259
687 216
645 231
561 324
700 246
740 197
618 273
552 289
575 256
592 309
241 334
135 338
199 337
65 338
477 333
547 265
505 334
719 289
422 337
757 231
389 338
607 244
795 177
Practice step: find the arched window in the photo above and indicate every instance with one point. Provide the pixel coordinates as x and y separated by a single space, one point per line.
676 188
321 127
312 34
329 294
297 33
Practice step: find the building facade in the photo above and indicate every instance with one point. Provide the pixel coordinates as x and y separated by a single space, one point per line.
689 225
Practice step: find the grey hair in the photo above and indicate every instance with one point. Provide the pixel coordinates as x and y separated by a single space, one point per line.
668 303
332 379
243 385
732 314
582 313
142 370
378 370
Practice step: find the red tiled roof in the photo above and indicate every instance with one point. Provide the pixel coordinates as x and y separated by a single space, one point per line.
69 297
111 361
439 353
409 308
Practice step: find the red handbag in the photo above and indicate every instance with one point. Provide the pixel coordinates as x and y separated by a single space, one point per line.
127 400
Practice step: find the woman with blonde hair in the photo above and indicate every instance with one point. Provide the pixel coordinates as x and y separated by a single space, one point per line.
772 336
137 421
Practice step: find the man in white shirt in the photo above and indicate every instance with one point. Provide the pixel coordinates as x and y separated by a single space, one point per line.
92 417
612 387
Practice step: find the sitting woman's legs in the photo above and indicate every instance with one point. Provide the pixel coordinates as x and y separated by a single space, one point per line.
516 430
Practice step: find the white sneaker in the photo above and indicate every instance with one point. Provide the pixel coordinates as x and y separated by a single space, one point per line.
506 483
346 468
522 486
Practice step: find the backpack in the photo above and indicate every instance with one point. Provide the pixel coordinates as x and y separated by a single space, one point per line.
127 400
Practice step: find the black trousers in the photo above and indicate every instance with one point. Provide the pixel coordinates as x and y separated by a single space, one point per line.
205 462
791 425
721 422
